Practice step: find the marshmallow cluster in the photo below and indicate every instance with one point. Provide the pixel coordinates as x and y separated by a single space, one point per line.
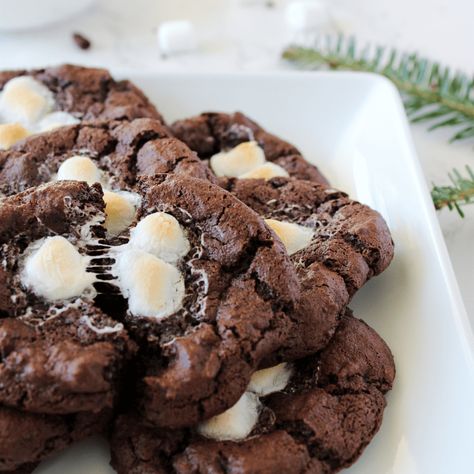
246 160
295 237
55 270
146 266
237 422
28 105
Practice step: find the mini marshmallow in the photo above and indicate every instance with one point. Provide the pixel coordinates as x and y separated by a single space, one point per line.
266 171
161 235
79 168
266 381
294 236
11 133
56 270
305 15
239 160
56 120
236 423
176 37
153 287
119 211
25 100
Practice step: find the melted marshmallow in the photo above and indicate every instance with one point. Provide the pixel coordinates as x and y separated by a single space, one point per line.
10 133
56 270
266 381
161 235
239 160
119 211
236 423
79 168
266 171
153 287
294 236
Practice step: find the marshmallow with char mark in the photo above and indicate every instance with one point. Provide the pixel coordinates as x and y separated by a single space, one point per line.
294 236
161 235
153 287
79 168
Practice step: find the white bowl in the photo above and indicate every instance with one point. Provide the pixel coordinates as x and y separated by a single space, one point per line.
16 15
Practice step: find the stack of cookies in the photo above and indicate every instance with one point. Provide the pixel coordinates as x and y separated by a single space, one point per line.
182 289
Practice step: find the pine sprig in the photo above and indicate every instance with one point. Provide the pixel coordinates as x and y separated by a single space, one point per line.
460 192
431 92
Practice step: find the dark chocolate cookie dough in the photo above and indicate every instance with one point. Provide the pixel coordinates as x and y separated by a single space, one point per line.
113 153
211 133
319 423
335 243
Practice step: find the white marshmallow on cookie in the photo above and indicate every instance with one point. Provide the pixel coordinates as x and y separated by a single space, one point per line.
153 287
295 237
161 235
239 160
266 381
56 270
266 171
55 120
79 168
10 133
236 423
25 100
120 210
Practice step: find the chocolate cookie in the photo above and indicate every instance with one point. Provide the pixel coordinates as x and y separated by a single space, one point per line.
112 153
27 438
59 353
39 100
318 419
335 243
225 286
238 147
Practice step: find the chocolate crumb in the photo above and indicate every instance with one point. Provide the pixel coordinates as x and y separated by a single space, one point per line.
81 41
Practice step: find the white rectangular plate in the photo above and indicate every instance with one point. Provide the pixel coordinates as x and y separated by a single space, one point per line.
353 126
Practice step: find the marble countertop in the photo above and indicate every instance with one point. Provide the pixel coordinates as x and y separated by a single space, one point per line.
248 35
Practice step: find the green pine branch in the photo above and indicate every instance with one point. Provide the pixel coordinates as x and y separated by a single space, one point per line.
431 93
459 193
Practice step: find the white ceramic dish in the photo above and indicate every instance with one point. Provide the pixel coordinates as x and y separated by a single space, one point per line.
354 127
16 15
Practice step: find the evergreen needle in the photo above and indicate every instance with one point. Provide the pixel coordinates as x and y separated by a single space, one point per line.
431 92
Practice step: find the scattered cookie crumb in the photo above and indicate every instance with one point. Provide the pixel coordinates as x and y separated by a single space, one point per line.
81 41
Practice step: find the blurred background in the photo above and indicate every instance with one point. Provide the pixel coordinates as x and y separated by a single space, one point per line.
248 36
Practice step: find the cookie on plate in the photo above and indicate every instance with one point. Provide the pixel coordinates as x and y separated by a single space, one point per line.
236 146
335 243
59 352
113 153
43 99
28 438
314 416
214 302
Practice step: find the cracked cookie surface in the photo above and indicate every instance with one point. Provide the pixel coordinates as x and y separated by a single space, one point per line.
335 243
113 153
319 423
211 133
